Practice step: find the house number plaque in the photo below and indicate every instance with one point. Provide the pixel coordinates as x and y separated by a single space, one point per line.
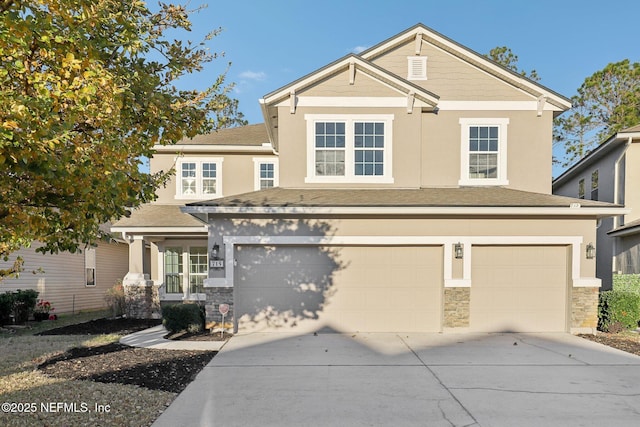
216 263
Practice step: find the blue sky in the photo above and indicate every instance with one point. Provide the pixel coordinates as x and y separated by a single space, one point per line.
273 42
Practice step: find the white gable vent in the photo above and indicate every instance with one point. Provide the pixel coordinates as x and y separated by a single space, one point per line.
417 68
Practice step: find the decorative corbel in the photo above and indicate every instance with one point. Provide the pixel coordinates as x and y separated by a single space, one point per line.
418 43
410 100
542 99
292 102
352 72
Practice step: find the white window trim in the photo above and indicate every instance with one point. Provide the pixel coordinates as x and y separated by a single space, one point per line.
198 161
186 294
257 161
465 123
349 176
410 67
90 263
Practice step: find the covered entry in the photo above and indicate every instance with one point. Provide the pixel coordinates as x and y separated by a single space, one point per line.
341 288
519 288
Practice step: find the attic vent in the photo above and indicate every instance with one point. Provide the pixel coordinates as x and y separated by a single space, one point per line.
417 66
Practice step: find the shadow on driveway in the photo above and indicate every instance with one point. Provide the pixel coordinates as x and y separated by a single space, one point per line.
332 379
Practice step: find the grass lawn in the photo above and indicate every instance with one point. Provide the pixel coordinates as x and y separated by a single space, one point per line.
31 398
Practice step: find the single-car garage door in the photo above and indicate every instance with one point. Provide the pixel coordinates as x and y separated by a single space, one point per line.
519 289
345 288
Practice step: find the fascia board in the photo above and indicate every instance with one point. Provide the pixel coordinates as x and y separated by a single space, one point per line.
192 148
399 210
171 230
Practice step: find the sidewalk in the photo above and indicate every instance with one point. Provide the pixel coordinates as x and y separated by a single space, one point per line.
153 338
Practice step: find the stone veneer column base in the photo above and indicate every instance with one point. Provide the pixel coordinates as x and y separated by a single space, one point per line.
142 300
456 307
584 309
215 297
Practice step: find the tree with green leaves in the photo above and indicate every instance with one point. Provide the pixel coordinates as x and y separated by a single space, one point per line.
87 88
505 57
607 102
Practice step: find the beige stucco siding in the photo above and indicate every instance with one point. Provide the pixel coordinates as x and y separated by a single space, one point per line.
238 174
292 130
449 77
528 143
459 228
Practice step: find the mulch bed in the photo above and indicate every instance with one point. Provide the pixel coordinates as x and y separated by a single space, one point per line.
625 341
120 325
167 370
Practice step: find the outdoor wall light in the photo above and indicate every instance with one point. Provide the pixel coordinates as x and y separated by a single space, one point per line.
457 248
591 251
215 250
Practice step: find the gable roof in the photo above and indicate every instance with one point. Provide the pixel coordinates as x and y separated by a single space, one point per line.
249 137
615 140
472 57
151 218
455 201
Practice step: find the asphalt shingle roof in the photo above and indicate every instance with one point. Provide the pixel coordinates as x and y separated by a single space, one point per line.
156 215
422 197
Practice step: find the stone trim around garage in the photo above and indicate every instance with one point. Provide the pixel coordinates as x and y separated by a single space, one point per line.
456 307
584 309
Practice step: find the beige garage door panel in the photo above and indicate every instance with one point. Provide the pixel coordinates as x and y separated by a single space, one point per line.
348 289
521 289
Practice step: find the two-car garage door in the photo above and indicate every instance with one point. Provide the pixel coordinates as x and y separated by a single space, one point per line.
396 288
344 288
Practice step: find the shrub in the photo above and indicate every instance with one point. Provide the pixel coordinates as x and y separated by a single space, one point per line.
183 317
115 299
7 300
617 306
626 282
19 303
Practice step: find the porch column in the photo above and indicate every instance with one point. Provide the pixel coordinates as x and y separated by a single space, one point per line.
141 296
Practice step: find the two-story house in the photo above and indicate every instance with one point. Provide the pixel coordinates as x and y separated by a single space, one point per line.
611 173
414 194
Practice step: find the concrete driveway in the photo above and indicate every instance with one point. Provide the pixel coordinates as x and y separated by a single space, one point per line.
412 380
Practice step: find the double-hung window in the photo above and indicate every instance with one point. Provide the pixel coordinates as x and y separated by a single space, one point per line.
349 148
199 178
483 152
265 173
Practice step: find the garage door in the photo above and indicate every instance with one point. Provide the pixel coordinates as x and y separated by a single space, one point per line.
346 289
519 289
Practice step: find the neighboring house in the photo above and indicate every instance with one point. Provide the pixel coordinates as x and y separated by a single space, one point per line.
414 194
611 173
71 282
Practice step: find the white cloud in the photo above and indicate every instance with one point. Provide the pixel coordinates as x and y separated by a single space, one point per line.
253 75
359 49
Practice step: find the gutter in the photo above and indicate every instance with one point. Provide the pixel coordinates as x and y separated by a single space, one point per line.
598 212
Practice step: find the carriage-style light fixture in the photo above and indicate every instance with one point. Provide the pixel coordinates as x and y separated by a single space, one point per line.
457 248
215 250
591 251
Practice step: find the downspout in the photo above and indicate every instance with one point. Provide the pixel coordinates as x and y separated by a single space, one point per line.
616 200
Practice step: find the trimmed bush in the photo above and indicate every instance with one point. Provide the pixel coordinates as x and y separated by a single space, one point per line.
7 300
626 282
618 309
183 317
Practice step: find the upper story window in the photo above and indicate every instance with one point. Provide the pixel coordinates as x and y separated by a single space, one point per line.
483 151
265 173
594 185
581 189
417 68
349 148
198 178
